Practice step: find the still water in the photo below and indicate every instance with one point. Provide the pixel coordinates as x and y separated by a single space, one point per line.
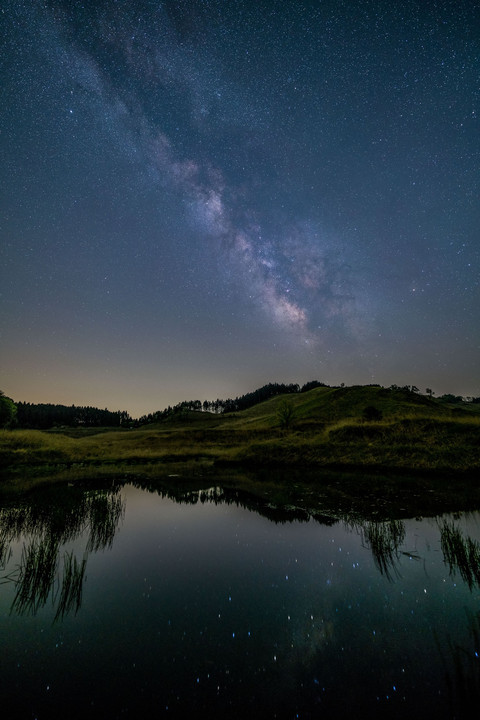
128 603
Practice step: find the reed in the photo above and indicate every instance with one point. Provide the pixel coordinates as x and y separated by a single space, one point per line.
105 512
38 567
49 520
384 540
70 597
460 553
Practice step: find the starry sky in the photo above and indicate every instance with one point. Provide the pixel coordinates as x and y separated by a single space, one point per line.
198 198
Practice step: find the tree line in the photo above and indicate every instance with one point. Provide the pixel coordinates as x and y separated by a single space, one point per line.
230 405
42 416
45 415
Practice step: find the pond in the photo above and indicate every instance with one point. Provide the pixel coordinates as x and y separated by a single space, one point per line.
123 602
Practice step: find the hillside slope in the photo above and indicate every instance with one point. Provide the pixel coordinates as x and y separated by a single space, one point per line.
412 433
328 405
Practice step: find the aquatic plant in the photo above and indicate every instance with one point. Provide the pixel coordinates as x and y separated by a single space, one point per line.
38 567
49 522
70 598
460 553
104 513
384 540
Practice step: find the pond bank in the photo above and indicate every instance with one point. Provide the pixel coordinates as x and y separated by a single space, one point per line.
339 493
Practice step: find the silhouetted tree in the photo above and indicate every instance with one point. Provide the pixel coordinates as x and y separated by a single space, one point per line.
45 415
448 397
8 411
285 414
311 385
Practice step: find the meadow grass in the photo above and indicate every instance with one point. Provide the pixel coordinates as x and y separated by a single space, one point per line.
415 433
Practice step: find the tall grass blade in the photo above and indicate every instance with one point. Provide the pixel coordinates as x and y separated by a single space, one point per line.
72 585
384 540
104 515
460 553
38 567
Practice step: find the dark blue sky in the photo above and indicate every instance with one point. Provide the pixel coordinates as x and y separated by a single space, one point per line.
199 197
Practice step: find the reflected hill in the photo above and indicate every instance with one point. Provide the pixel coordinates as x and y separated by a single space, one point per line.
47 521
384 538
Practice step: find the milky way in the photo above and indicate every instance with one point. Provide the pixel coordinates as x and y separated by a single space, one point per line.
215 195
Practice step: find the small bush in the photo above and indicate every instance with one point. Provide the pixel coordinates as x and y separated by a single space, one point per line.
372 414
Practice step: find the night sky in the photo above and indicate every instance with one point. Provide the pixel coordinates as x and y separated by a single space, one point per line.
198 198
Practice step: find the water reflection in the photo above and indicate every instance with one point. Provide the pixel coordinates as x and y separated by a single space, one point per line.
460 553
276 512
52 519
70 598
36 575
384 540
103 516
461 665
216 609
44 525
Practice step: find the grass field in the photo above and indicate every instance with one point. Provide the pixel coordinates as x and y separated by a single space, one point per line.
415 435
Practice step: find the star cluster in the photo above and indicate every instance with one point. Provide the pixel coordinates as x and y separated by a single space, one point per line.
200 197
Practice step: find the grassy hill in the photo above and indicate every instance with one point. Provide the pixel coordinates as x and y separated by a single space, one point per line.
414 434
329 405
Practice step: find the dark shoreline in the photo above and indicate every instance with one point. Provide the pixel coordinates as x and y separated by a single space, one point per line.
337 492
